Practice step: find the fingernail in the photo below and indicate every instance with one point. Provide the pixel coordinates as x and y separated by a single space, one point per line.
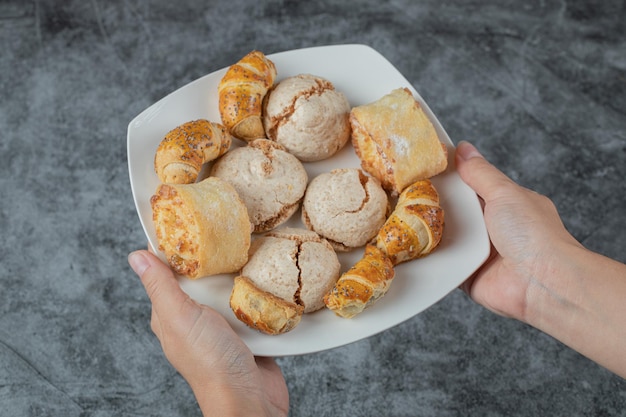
138 262
466 151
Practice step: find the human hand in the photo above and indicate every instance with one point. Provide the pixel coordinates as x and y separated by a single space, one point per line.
224 375
526 233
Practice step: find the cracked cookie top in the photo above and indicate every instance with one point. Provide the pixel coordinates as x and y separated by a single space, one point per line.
345 206
270 181
308 116
296 265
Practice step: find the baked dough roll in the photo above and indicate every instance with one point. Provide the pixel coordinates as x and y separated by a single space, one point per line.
203 228
183 151
241 92
415 226
362 285
262 310
396 142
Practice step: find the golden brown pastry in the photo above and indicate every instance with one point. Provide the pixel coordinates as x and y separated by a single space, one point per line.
202 228
241 92
396 142
362 285
186 148
415 226
263 310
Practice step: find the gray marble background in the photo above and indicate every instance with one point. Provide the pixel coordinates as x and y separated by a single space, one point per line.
538 86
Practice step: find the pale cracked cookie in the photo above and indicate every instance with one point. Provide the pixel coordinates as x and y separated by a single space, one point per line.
270 181
308 116
345 206
288 273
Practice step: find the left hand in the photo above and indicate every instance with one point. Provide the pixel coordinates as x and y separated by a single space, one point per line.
225 376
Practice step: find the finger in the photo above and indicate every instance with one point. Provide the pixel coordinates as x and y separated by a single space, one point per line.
155 324
484 178
266 362
158 280
481 284
466 286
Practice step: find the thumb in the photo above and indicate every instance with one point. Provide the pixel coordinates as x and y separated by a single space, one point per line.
158 280
478 173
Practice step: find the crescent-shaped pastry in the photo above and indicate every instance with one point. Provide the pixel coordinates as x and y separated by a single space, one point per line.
262 310
362 285
241 92
415 226
413 230
183 151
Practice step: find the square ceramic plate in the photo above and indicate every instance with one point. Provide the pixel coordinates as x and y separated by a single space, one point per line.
363 75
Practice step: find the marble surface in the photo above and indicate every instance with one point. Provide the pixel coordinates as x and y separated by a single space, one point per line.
538 86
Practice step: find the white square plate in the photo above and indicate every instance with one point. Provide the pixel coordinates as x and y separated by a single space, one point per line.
363 75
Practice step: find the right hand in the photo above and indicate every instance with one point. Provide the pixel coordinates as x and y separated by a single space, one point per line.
526 233
539 274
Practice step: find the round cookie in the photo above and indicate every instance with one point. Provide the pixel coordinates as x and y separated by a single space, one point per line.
270 181
345 206
317 262
296 265
306 115
288 273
